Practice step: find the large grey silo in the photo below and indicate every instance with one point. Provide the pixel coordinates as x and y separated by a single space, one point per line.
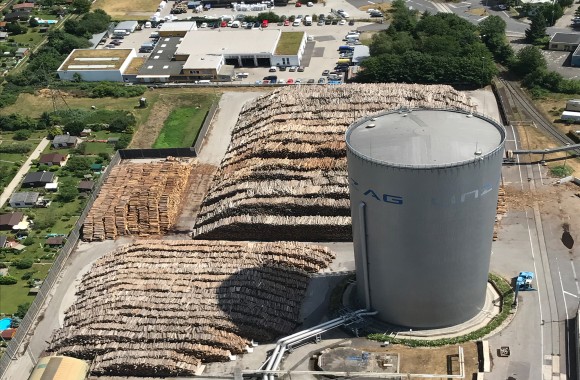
423 188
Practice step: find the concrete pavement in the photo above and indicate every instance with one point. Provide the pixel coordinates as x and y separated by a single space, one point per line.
8 190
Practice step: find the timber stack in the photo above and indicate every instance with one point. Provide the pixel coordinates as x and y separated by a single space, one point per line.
160 308
284 176
140 199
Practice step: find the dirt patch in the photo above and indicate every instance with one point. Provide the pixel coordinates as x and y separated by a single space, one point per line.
148 132
532 138
477 11
383 7
126 7
439 360
48 93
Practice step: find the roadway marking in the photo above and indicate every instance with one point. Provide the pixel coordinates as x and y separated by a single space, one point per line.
540 171
442 8
481 19
570 294
575 277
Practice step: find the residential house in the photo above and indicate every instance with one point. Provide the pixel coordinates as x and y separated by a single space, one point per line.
3 35
53 159
65 141
37 179
22 52
10 220
20 15
3 25
86 132
86 186
564 41
25 199
22 6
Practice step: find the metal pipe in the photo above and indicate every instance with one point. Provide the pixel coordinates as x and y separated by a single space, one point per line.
363 250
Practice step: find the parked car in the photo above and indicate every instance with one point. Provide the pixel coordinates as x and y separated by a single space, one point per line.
286 22
244 24
309 4
301 69
321 80
116 42
264 23
298 81
272 69
256 25
297 22
342 22
292 68
351 22
282 68
224 24
326 72
327 21
320 23
249 26
310 81
298 4
109 46
290 81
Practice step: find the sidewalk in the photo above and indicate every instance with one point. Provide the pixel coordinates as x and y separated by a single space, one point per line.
22 172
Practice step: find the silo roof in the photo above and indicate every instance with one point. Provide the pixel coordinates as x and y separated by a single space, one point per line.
424 137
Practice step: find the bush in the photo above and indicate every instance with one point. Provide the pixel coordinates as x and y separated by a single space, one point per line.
22 135
7 280
2 266
23 263
28 241
27 275
22 309
561 171
15 148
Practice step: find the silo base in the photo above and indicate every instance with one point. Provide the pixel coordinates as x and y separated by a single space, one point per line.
490 309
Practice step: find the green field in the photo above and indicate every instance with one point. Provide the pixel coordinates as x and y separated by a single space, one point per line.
13 295
181 127
28 39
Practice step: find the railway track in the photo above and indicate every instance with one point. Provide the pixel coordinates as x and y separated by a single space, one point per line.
536 117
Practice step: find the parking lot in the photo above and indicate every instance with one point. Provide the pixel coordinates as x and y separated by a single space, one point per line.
321 52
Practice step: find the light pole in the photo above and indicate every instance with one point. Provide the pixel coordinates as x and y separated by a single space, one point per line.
565 158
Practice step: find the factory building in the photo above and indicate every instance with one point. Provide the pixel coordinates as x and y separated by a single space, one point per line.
94 65
423 188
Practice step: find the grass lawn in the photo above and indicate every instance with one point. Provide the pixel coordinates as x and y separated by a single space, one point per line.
181 127
28 39
13 295
289 43
94 148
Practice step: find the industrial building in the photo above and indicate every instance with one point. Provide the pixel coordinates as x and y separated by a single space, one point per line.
575 61
127 26
423 189
176 29
564 41
97 65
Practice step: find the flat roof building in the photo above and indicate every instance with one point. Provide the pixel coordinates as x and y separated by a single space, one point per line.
176 28
60 368
96 64
24 199
564 41
128 26
575 61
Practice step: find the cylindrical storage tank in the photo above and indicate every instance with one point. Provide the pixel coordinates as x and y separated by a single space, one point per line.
423 189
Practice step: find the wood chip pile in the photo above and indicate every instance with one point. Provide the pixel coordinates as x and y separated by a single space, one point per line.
500 212
284 176
138 199
160 308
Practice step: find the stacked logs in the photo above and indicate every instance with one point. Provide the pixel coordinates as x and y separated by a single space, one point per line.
137 199
284 176
501 211
159 308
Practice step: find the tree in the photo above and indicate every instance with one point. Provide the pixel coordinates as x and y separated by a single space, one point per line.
81 6
7 280
77 78
33 23
14 28
22 310
54 131
79 166
528 60
74 128
492 26
537 29
123 142
67 192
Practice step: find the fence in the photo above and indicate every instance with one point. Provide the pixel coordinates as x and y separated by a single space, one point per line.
36 307
126 154
205 126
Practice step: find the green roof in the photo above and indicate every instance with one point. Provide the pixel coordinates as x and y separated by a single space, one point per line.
96 166
289 43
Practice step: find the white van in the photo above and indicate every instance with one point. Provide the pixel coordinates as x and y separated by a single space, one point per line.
148 24
297 22
236 24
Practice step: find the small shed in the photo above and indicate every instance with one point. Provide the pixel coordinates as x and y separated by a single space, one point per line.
65 141
53 186
55 241
86 132
3 35
112 140
564 41
96 167
21 52
86 186
8 334
55 159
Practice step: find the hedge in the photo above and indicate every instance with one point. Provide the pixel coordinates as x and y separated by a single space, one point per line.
507 294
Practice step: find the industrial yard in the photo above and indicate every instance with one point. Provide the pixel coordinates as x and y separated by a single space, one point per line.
272 231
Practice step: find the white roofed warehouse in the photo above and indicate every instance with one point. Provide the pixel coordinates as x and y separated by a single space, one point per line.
96 65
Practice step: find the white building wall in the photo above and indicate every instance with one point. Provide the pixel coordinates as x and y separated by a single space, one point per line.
127 62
